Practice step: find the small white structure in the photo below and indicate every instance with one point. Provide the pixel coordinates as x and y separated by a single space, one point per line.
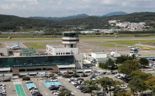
134 51
98 55
72 66
4 51
115 54
113 21
5 69
65 68
87 31
95 57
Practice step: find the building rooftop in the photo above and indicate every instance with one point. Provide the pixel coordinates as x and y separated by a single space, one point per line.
56 46
69 32
28 52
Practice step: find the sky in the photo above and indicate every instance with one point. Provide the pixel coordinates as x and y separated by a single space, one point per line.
60 8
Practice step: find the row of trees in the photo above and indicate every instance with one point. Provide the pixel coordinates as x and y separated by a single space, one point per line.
125 64
140 81
131 66
107 86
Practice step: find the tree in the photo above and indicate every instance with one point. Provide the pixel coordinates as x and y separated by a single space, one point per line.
141 75
64 92
151 84
121 92
129 66
144 62
137 85
109 64
91 85
107 84
122 59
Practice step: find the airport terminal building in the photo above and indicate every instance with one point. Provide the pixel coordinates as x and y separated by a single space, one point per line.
34 63
29 61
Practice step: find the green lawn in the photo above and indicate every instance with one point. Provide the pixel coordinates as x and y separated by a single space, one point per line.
109 42
27 39
38 45
131 42
119 43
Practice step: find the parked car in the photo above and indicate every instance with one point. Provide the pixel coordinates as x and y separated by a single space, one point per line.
37 94
26 78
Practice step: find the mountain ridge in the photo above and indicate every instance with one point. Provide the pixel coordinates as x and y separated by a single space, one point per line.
15 23
117 13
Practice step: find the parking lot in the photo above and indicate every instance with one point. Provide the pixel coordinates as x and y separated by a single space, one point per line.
69 86
11 87
72 83
18 87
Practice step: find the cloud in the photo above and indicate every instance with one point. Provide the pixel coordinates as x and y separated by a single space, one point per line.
70 7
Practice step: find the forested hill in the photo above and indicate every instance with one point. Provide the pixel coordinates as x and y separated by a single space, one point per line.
15 23
136 17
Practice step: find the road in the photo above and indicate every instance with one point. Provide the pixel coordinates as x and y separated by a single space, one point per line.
10 89
70 87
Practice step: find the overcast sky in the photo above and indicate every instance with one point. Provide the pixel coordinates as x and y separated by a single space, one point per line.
59 8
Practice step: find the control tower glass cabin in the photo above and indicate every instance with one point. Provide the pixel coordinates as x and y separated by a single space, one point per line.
70 39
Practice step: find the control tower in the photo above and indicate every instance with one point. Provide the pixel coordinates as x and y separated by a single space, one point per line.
70 39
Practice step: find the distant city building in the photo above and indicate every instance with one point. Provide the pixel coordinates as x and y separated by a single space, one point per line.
128 26
88 31
113 22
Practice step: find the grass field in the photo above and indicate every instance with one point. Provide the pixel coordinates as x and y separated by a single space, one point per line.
27 39
38 45
121 43
103 42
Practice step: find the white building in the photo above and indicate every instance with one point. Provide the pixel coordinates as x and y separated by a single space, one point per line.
69 40
128 26
113 21
4 52
95 57
88 31
115 54
98 55
57 51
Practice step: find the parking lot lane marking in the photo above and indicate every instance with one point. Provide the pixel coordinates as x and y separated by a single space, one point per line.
24 90
19 90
